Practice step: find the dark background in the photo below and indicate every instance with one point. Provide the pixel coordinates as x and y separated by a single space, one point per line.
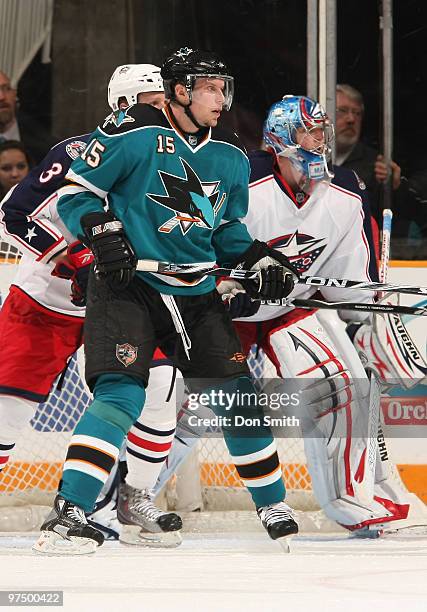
262 41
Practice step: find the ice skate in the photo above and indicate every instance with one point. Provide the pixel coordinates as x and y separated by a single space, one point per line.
279 522
66 531
143 523
104 518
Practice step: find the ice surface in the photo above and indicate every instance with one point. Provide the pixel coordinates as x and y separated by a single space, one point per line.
213 571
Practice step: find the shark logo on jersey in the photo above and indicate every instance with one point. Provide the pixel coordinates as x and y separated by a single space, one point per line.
126 353
195 203
301 249
118 117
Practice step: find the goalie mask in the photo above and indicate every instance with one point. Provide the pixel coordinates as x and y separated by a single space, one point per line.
299 129
185 66
132 79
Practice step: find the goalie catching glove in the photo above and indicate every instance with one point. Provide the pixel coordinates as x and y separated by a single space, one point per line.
75 268
276 275
114 256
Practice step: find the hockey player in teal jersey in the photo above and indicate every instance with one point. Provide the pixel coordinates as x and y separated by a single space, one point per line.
167 185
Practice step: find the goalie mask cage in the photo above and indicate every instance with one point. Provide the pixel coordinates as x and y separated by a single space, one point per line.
30 480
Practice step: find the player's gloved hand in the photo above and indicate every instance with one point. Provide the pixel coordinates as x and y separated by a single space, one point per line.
236 300
75 267
114 256
276 277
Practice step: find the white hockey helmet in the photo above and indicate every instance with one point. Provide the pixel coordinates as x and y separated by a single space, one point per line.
132 79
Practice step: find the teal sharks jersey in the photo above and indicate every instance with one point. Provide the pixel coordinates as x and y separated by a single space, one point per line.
178 202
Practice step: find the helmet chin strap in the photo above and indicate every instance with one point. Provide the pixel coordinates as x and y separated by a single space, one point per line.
189 114
192 118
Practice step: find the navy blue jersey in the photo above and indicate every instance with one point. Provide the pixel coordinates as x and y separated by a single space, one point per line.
24 212
348 179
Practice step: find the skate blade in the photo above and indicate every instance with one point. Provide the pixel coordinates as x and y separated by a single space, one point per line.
50 543
409 531
135 536
285 543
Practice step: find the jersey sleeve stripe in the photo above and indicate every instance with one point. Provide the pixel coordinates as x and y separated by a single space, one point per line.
87 185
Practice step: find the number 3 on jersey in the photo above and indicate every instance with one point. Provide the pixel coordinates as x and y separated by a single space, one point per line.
92 155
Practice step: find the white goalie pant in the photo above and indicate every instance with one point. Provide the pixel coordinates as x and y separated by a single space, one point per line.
352 489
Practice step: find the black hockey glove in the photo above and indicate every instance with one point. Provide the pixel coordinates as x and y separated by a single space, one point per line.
276 275
114 256
236 300
241 305
76 269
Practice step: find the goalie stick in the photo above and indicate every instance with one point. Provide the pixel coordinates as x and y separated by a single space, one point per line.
385 244
311 303
160 267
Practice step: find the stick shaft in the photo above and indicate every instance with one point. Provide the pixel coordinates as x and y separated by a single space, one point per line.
388 308
385 247
147 265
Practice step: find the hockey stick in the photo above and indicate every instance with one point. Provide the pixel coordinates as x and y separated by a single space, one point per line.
385 244
160 267
387 308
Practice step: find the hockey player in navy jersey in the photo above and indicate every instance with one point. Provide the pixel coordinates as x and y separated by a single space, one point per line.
177 186
41 325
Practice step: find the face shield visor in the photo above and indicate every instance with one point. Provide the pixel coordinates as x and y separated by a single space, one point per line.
308 148
228 91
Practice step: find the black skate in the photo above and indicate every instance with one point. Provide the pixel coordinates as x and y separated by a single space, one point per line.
66 532
279 522
143 523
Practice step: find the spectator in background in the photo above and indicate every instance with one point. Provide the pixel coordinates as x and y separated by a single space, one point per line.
16 125
15 164
354 154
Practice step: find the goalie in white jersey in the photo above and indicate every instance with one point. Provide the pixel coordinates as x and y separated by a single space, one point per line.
294 207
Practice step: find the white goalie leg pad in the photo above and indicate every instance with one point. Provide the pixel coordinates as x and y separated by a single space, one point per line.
336 416
15 414
388 348
393 506
405 508
150 437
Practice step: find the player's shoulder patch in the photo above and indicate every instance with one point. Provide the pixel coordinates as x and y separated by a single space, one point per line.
75 148
261 163
348 179
360 182
132 118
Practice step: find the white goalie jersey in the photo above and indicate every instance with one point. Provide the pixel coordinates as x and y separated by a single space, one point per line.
322 236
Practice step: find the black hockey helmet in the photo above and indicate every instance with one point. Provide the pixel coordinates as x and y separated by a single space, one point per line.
186 65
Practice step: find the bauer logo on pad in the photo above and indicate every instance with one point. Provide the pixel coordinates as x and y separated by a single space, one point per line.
126 354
